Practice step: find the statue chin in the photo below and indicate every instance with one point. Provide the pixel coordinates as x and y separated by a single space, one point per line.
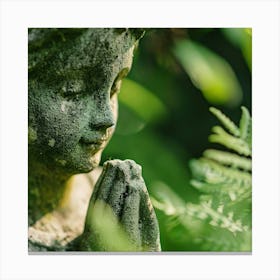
95 160
89 165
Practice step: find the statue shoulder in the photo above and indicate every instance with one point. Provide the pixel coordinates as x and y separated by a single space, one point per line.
55 230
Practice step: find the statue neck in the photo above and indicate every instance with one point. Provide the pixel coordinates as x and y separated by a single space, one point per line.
45 190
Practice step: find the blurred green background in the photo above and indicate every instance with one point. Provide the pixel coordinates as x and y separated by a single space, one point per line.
164 119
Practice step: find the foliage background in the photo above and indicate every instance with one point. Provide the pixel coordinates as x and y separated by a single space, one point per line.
164 118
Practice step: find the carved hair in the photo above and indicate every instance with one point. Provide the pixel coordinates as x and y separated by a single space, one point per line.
44 43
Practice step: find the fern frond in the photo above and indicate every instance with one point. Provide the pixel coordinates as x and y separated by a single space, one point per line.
223 216
216 217
204 212
226 176
166 200
237 144
212 172
248 137
229 159
244 124
228 124
233 191
220 240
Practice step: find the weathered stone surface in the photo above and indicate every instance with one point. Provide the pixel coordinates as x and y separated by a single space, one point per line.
74 76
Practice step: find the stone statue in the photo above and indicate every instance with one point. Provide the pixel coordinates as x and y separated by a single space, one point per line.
74 76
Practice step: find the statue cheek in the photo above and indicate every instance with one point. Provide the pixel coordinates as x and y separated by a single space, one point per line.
60 130
64 107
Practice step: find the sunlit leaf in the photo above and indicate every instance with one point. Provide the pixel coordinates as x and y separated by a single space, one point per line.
142 101
128 121
211 73
242 38
166 199
108 233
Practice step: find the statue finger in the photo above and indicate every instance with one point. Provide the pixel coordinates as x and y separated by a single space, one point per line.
119 190
104 184
149 224
130 216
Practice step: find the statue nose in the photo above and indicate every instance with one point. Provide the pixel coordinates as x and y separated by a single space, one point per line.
102 119
102 125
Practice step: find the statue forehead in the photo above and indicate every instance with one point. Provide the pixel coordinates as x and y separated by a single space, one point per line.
98 47
77 49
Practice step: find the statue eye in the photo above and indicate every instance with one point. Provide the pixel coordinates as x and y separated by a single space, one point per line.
115 87
72 89
117 82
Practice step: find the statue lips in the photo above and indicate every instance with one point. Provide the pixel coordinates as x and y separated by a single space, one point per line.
95 145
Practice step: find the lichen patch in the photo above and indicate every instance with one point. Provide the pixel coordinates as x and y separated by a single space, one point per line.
51 142
61 161
32 135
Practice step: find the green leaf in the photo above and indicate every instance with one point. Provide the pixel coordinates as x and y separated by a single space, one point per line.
167 200
138 99
209 72
242 38
128 121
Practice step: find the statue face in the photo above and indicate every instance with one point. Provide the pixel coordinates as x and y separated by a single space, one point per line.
73 102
